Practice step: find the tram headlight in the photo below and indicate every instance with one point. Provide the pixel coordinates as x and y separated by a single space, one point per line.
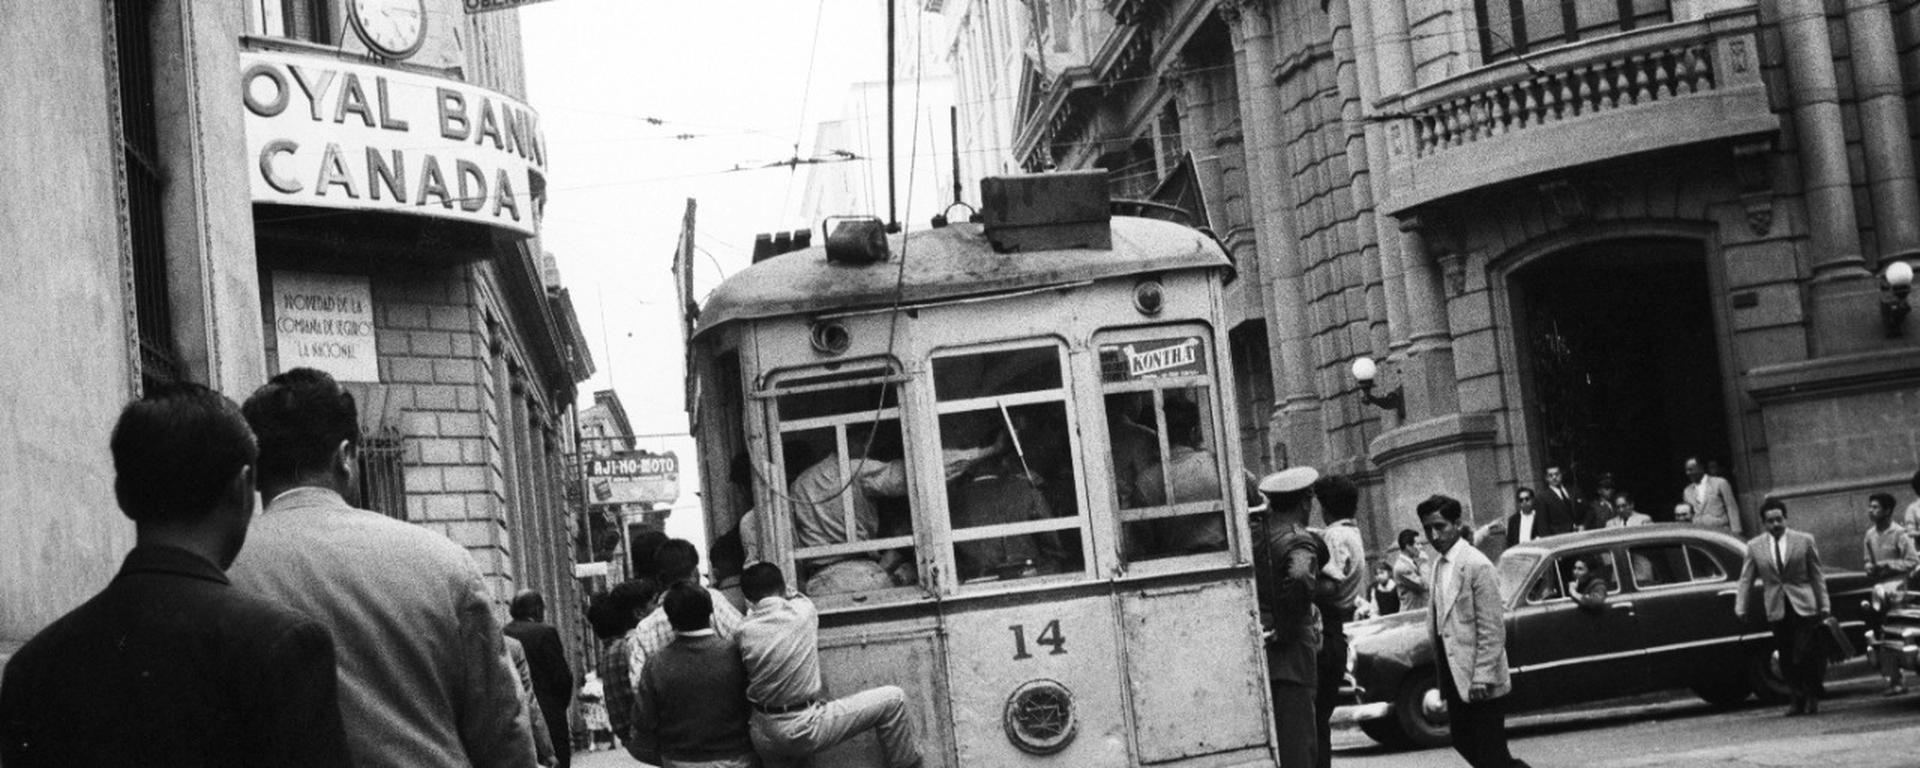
1149 297
829 337
1039 717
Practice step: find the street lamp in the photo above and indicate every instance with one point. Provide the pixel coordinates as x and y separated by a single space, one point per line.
1363 372
1895 283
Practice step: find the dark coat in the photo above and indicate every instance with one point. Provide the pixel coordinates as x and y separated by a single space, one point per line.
172 666
547 659
1560 515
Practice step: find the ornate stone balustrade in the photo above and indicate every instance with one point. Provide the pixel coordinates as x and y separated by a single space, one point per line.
1624 94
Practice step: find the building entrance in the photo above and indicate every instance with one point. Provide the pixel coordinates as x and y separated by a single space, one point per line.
1621 366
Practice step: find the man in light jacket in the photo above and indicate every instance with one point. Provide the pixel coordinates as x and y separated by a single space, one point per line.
1467 624
1794 589
1712 498
424 676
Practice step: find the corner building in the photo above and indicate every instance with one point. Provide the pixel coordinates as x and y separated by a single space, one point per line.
240 189
1602 234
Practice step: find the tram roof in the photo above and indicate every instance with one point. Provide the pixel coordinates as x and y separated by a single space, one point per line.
948 263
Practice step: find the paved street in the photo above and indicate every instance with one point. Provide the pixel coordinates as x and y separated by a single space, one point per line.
1855 729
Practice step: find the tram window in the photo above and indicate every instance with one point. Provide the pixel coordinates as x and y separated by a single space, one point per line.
852 527
1015 509
1164 444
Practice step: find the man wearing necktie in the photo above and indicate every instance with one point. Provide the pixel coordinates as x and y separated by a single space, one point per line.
1794 589
1559 507
1467 625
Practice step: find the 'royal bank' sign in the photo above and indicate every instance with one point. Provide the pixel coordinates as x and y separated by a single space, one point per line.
334 134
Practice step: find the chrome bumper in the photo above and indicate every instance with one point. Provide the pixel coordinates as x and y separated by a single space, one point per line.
1356 713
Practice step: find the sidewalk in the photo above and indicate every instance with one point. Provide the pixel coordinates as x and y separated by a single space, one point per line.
1836 750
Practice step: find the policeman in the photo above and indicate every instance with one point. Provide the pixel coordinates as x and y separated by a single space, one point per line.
1287 558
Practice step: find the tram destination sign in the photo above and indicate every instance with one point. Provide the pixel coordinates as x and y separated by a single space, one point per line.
1165 358
633 477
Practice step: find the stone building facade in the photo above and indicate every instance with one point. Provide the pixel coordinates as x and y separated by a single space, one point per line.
237 189
1601 235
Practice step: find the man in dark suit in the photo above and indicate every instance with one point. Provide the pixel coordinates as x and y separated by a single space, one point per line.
1794 589
547 656
170 665
1559 505
1529 522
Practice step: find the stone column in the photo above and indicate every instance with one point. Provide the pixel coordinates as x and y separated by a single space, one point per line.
1353 98
1427 366
1841 295
1386 69
1296 419
1884 132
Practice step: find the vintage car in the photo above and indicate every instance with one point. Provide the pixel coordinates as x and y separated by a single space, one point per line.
1666 623
1893 616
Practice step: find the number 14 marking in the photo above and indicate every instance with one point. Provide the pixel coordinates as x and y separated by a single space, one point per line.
1049 636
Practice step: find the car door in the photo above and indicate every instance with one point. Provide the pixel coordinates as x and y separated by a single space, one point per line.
1685 596
1560 652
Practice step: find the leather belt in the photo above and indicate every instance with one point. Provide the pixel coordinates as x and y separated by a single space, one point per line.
789 709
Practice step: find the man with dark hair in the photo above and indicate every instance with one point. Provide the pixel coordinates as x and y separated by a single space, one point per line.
547 660
692 705
1287 560
170 665
1889 554
677 562
1410 571
1192 468
424 677
1786 565
1560 507
1600 509
613 615
645 546
780 646
1343 583
1467 625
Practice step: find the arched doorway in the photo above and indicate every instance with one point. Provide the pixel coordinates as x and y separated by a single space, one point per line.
1621 364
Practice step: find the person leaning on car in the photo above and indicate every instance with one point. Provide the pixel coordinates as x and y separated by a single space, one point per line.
1787 566
1889 554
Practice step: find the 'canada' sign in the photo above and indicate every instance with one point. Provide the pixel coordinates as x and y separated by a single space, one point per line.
335 134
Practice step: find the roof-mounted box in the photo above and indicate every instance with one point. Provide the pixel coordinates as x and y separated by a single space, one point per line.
1047 211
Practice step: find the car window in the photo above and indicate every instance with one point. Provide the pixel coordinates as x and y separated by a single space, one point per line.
1659 565
1514 570
1705 567
1546 587
1600 561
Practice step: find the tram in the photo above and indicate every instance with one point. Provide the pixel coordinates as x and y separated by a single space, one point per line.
998 455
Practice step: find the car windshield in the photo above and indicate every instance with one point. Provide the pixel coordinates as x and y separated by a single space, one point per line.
1514 569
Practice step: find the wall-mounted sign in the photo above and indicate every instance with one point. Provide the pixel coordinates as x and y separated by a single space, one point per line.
325 322
335 134
1153 359
633 477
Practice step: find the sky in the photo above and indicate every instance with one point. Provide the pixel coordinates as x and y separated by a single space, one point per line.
615 82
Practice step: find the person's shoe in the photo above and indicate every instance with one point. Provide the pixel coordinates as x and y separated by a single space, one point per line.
1797 707
1813 705
1894 689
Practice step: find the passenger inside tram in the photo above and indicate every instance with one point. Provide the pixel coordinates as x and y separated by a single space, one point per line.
1014 486
1192 469
820 496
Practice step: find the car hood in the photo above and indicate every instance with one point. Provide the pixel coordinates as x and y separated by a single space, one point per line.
1384 649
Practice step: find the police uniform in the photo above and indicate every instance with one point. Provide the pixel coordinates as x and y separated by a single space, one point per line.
1286 559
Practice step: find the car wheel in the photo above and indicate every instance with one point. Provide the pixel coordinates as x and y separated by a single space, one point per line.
1420 711
1763 675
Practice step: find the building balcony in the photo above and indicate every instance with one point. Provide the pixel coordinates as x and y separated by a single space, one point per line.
1612 97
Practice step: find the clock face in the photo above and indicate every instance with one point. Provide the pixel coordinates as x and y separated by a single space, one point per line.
393 28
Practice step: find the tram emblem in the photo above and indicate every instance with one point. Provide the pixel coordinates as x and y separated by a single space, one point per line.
1152 359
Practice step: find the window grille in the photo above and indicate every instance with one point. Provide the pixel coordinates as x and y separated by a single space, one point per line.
383 476
145 181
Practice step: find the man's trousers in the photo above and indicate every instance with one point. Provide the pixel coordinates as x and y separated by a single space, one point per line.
1294 719
787 739
1479 727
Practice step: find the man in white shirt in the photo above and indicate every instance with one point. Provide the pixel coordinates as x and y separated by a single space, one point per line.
1467 625
1346 575
1911 519
1524 524
1624 512
1889 554
1786 565
780 645
1714 505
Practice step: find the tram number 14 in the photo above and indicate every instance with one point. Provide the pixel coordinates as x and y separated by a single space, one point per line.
1049 636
